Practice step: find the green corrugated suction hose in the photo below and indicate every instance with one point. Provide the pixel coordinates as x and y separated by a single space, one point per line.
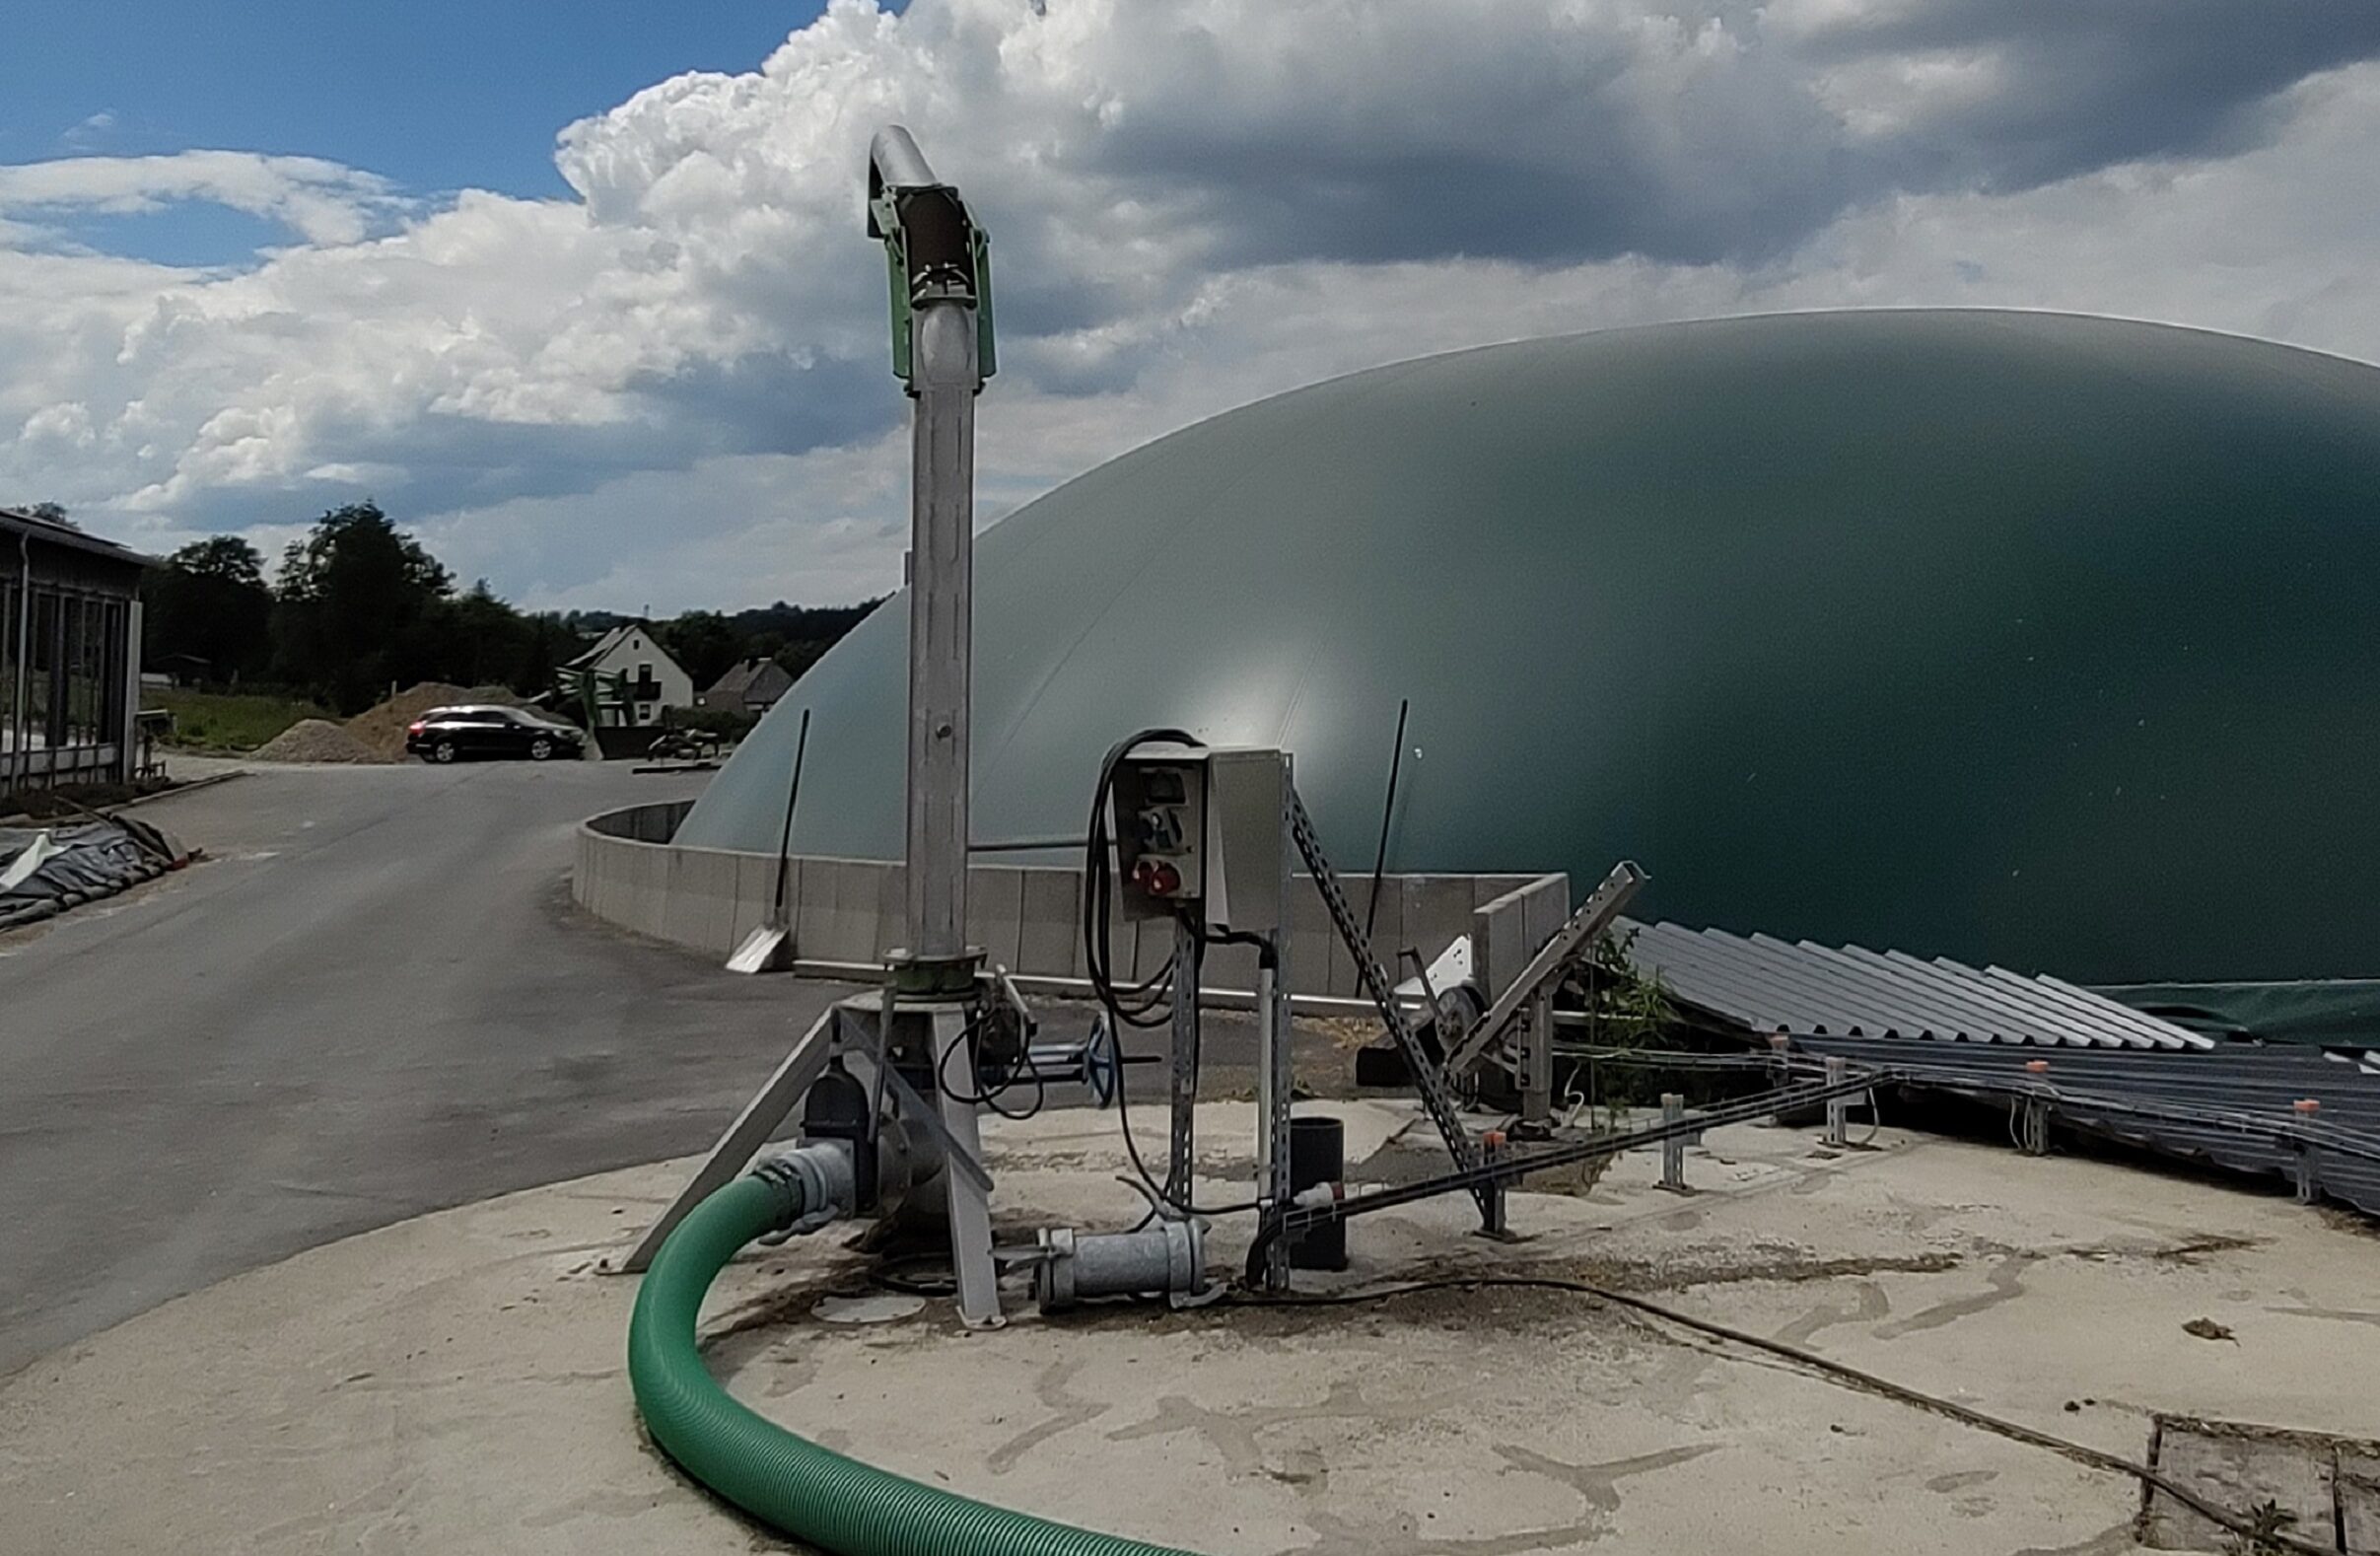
817 1496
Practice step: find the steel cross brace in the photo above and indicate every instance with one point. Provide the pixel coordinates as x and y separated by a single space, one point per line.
1427 1078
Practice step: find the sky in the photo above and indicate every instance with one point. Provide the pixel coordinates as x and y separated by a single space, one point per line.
582 293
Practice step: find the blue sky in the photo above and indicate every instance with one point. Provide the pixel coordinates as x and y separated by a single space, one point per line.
432 94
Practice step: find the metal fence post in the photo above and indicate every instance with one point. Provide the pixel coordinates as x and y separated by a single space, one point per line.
2309 1161
2309 1174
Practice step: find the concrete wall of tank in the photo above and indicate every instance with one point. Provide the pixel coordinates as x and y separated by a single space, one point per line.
848 912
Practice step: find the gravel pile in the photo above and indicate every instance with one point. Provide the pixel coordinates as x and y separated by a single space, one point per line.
381 729
317 740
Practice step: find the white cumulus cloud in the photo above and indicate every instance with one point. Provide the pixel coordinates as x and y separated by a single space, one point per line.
673 387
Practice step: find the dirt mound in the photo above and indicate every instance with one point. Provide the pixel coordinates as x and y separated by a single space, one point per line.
381 729
317 741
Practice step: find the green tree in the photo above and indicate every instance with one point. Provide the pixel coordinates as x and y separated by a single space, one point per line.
209 601
551 645
704 644
360 608
485 641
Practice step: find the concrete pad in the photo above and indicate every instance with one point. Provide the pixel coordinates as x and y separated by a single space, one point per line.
2236 1469
455 1382
2359 1500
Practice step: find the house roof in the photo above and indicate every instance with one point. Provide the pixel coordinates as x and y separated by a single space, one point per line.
742 674
16 522
612 639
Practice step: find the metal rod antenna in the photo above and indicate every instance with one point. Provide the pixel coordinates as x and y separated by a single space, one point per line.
1389 811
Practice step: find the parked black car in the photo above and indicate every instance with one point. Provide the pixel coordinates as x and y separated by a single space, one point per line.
445 734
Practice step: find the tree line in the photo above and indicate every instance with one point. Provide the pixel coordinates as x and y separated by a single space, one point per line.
358 606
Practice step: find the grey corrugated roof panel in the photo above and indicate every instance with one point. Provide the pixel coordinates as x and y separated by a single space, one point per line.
2253 1073
2096 1011
1983 1018
1766 984
2233 1106
1774 993
1675 953
1762 961
1868 993
2030 1012
2164 1034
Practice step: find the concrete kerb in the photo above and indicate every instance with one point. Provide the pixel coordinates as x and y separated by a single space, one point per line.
848 912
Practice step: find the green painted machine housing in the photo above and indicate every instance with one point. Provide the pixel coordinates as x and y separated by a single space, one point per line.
2022 638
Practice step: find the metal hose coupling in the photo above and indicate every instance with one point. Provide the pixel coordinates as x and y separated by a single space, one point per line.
1165 1258
814 1184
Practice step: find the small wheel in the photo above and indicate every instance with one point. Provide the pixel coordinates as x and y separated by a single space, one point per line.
540 748
443 751
1103 1066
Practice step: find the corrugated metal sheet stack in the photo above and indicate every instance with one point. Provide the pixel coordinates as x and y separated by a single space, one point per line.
2257 1108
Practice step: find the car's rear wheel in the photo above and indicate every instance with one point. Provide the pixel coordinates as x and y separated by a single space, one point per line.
443 751
540 748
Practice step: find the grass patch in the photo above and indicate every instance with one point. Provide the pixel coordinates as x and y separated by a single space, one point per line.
229 722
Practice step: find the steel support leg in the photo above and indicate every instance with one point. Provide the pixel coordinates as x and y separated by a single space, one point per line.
1492 1218
1274 1081
1188 951
745 1137
1838 1108
1673 1148
2033 1131
1537 1062
970 1204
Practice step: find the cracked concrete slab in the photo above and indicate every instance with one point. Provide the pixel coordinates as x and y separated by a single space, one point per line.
455 1382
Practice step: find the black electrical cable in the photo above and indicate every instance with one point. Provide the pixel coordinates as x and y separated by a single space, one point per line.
1181 1202
1132 1006
991 1096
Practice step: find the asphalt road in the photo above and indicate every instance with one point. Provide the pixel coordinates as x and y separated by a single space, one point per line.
377 1000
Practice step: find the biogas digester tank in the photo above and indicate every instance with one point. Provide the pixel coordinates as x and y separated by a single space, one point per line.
2020 638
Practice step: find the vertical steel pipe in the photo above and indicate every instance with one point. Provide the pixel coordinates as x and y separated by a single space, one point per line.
942 546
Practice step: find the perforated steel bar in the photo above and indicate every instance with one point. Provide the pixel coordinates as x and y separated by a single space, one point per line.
1427 1080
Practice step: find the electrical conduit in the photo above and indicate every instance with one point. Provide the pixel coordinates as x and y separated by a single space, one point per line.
815 1495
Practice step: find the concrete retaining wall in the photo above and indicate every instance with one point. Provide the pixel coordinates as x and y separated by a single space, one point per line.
1029 918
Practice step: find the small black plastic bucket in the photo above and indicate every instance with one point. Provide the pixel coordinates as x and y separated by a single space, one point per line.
1318 1155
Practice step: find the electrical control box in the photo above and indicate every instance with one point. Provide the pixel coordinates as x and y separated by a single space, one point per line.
1203 832
1160 826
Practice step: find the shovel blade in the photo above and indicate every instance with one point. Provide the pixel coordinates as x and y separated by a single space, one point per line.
767 949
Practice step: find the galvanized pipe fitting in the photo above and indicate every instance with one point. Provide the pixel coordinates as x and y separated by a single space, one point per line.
1166 1259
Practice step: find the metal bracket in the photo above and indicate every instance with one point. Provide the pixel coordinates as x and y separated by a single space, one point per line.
1593 916
1180 1145
914 1106
745 1137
